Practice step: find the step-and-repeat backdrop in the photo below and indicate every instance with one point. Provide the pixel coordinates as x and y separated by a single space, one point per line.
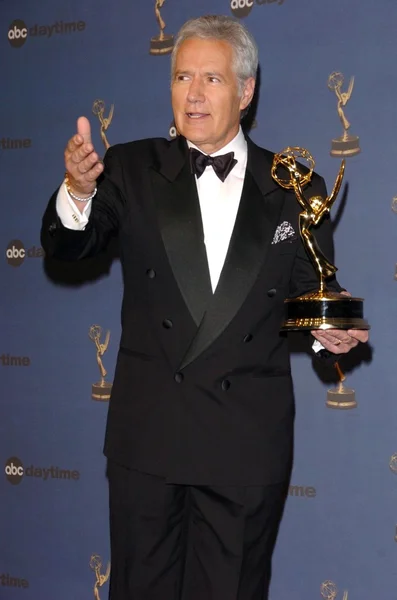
328 83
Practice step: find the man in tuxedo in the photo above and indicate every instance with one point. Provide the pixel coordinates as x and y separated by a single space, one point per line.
200 426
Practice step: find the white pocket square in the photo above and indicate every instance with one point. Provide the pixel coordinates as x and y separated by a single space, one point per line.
284 232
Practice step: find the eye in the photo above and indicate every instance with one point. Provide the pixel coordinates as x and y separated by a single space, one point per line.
213 79
182 77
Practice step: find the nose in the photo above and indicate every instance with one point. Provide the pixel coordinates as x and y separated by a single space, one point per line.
196 91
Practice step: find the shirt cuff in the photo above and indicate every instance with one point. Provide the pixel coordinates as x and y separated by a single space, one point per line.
68 212
317 346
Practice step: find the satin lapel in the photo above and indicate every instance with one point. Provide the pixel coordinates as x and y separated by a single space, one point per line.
257 218
179 218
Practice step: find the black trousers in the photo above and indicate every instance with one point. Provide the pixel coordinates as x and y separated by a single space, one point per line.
178 542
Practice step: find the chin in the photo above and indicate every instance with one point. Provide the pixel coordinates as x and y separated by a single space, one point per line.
194 134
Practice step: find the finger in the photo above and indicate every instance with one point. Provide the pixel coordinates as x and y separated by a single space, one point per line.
81 153
345 293
332 335
89 162
360 335
332 344
93 174
335 340
84 129
336 336
74 143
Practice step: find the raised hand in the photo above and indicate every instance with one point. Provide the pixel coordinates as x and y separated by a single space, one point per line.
82 163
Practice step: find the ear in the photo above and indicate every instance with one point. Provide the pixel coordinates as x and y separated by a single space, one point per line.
248 93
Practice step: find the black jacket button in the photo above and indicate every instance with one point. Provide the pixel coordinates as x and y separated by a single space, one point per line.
178 377
271 292
151 273
52 229
167 323
225 385
247 338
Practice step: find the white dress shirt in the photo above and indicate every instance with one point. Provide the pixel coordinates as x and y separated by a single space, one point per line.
219 202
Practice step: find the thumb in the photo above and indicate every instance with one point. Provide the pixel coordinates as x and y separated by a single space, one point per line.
84 129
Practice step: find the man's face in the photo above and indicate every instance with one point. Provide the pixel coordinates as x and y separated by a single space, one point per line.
205 96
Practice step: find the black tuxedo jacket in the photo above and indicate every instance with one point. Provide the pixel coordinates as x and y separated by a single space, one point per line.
202 392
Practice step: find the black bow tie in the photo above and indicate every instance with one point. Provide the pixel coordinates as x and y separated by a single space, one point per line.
222 165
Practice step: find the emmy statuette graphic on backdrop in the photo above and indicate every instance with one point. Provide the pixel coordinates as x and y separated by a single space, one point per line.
101 578
347 144
161 43
329 591
102 389
341 397
98 109
323 308
393 463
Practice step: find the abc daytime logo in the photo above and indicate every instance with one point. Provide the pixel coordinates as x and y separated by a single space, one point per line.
16 253
173 132
302 491
242 8
9 581
15 471
18 31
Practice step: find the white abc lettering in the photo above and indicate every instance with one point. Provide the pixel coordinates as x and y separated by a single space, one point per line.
241 3
13 470
15 253
15 34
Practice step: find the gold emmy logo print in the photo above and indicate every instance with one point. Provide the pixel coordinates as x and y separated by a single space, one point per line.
347 144
393 463
98 108
329 591
322 309
101 578
341 397
102 389
161 43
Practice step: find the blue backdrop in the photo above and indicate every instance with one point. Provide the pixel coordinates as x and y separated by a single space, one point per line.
338 533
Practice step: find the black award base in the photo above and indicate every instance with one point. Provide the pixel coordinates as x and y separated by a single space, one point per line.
324 310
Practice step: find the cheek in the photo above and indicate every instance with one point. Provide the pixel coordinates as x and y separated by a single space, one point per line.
177 99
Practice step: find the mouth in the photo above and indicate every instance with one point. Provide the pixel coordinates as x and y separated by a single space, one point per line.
196 116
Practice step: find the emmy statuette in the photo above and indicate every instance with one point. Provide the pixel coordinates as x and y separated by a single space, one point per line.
101 578
329 591
341 397
98 109
161 43
102 389
346 144
321 309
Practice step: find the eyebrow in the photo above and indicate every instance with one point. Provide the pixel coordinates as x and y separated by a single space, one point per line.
207 73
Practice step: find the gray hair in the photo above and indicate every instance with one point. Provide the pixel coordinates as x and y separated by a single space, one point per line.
227 29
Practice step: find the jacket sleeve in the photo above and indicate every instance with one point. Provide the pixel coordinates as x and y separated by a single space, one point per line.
105 218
